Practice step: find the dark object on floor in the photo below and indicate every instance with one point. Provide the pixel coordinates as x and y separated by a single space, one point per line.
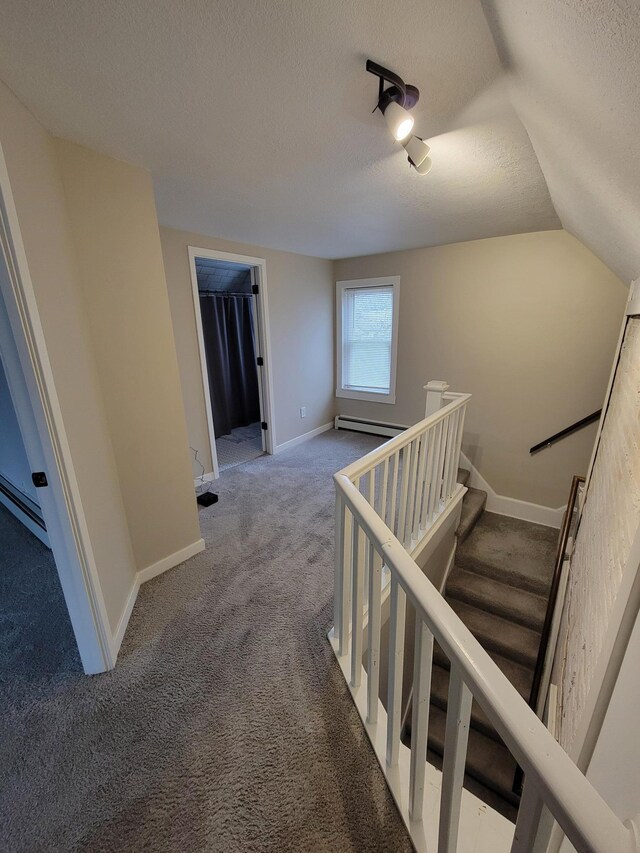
207 499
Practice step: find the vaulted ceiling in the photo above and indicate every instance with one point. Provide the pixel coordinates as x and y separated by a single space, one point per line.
256 121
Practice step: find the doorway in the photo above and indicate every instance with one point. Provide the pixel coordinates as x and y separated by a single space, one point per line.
56 504
229 294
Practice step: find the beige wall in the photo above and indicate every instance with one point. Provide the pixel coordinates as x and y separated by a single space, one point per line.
38 194
528 324
115 231
301 312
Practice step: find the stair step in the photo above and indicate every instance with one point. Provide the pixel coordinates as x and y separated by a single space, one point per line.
520 676
493 632
473 506
487 761
463 476
517 605
440 695
510 551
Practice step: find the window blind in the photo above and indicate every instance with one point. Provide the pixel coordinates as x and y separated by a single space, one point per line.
367 333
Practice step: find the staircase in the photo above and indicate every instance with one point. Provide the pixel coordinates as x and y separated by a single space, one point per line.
499 587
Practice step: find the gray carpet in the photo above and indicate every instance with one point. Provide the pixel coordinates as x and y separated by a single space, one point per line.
226 725
36 638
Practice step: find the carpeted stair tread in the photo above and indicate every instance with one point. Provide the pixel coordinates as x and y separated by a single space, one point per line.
520 676
487 760
518 605
439 697
472 508
463 476
511 551
502 636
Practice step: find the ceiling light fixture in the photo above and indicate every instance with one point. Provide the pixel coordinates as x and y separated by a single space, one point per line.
394 103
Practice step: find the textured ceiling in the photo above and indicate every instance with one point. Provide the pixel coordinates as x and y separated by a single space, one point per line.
255 118
573 68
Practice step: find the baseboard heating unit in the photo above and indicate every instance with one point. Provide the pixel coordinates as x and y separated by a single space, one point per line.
372 427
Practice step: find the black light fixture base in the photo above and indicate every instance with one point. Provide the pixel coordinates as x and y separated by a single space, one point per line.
207 499
408 99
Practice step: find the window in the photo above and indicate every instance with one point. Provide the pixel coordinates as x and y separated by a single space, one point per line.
367 325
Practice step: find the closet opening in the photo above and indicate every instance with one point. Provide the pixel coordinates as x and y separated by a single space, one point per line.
230 303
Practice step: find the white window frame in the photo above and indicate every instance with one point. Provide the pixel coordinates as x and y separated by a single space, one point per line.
372 396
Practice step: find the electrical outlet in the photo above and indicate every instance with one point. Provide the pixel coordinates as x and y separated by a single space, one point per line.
303 411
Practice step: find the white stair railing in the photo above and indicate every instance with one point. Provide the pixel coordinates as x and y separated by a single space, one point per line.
415 470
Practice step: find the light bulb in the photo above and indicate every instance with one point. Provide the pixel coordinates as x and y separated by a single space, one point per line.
398 120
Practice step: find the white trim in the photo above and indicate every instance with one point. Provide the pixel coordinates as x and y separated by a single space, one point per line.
145 575
341 286
259 266
287 445
171 561
25 353
123 622
514 508
204 478
24 519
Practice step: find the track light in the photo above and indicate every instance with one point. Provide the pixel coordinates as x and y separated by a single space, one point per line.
394 103
398 120
417 150
425 167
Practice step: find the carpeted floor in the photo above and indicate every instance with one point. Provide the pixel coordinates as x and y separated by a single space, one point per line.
226 725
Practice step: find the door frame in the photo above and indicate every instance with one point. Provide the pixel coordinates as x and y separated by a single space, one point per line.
30 379
261 310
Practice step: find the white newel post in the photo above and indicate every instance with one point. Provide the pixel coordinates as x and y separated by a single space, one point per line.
435 389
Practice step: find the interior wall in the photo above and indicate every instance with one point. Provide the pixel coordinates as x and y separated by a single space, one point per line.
39 198
14 465
112 212
528 324
301 313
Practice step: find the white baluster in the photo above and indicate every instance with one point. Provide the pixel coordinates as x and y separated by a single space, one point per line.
397 611
394 494
373 631
434 490
455 755
338 584
528 821
357 604
428 480
420 482
347 563
423 651
383 491
404 491
411 496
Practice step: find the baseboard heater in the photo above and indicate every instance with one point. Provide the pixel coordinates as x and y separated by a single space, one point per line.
372 427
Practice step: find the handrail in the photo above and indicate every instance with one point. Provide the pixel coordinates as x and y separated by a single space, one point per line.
553 592
553 778
379 454
558 436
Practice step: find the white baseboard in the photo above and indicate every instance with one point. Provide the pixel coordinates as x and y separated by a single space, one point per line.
502 505
204 478
146 575
169 562
287 445
116 640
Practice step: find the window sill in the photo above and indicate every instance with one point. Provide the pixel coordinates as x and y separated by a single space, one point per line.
369 396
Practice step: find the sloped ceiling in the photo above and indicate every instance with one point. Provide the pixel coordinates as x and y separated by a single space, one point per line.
255 117
256 121
573 69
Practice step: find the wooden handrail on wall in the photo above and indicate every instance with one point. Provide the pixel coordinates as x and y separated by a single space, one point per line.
558 436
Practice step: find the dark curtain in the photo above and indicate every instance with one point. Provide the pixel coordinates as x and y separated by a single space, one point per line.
229 345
